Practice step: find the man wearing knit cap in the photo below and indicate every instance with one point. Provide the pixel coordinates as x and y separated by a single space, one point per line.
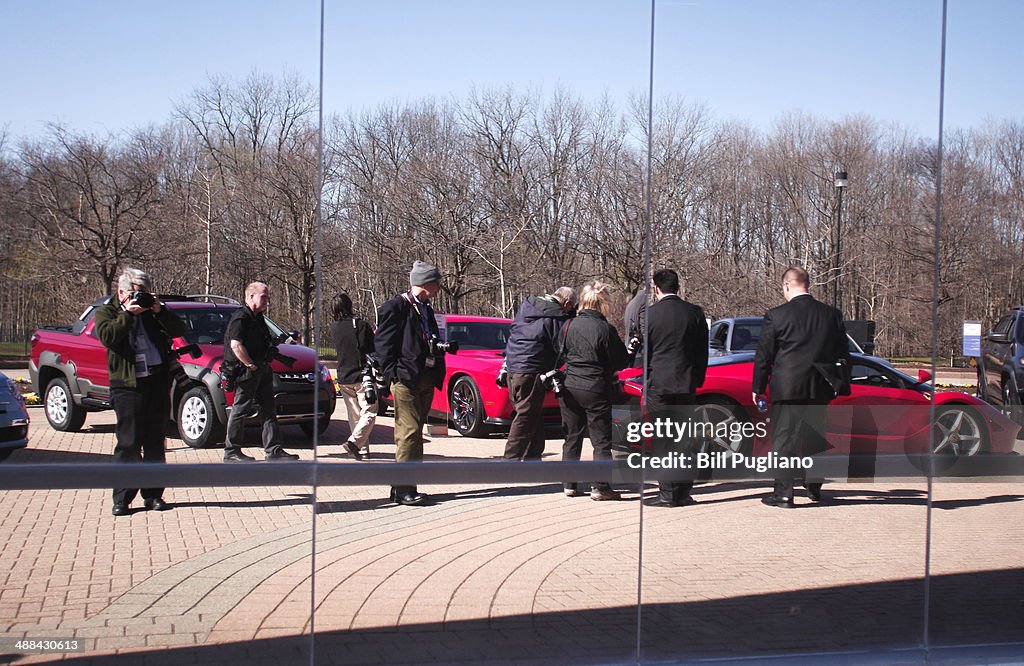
405 326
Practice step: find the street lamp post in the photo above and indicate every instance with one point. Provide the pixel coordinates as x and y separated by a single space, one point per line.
840 183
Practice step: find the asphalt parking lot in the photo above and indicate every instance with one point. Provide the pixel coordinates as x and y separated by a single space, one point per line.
495 573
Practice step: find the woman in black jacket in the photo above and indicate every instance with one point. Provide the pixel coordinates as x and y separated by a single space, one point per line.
594 353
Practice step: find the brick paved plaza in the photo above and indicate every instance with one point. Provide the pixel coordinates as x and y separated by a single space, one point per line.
494 573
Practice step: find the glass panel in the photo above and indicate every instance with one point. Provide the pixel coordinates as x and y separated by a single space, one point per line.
177 139
486 140
975 568
799 143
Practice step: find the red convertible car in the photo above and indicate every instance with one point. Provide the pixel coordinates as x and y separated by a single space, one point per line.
470 398
886 412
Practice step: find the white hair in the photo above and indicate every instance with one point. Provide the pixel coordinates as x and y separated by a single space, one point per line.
133 276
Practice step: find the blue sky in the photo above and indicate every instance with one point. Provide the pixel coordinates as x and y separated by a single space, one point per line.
104 66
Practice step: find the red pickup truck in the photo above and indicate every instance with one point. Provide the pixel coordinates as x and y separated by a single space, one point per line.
68 366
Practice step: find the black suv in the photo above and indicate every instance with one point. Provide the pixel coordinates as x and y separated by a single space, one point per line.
1001 365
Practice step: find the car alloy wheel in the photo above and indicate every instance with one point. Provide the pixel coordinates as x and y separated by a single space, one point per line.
467 408
958 432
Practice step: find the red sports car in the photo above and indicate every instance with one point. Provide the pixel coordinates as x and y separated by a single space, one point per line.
470 398
886 412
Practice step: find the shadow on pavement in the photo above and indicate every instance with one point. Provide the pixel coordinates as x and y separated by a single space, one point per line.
967 609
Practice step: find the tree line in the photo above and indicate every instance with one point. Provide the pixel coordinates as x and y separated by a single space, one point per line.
512 194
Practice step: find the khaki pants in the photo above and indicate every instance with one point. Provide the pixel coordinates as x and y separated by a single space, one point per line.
361 414
411 408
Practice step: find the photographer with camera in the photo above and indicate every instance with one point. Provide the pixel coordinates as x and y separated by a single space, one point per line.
593 353
532 351
353 340
412 364
137 330
248 345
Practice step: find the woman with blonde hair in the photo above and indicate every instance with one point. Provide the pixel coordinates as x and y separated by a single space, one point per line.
593 353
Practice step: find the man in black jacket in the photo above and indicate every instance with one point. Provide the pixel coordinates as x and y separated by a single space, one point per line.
532 350
405 327
677 361
803 358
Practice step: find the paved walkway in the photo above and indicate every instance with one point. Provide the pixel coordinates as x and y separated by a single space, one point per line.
517 574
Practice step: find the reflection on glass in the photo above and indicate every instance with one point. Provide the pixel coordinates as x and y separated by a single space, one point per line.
805 147
975 568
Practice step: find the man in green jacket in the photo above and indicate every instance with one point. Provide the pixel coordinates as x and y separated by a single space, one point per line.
137 329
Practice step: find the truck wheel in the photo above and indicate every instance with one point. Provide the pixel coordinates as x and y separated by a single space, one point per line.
61 410
197 419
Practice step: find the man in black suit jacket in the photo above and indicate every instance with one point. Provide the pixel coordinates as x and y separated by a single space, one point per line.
803 358
677 360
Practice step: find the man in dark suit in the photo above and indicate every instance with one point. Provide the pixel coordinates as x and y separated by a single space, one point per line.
677 360
803 358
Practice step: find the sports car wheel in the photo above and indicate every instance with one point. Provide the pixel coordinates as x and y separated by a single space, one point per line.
958 432
727 417
467 409
61 410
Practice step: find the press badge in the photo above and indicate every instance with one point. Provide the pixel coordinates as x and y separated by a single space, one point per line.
141 367
430 362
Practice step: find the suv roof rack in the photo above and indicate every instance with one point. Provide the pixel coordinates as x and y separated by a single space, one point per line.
201 298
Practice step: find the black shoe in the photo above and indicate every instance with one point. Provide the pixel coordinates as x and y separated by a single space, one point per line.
238 457
353 450
781 502
814 492
120 510
281 455
156 504
686 500
410 498
604 494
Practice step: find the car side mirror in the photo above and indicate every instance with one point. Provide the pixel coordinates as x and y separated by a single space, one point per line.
998 337
295 336
716 344
923 376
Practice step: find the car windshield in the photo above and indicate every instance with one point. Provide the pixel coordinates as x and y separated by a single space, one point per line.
207 327
477 334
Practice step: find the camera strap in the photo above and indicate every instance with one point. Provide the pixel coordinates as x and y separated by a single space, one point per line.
561 346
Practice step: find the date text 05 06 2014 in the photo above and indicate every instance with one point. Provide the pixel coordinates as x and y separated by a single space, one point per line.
12 645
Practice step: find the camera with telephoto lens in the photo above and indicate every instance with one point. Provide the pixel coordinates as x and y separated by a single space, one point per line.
371 379
439 348
634 344
553 381
502 378
143 299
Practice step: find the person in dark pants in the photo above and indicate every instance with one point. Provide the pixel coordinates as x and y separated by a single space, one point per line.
594 353
532 350
411 368
353 341
137 330
633 317
248 341
803 359
677 360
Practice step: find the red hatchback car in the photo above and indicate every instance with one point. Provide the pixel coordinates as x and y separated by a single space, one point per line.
470 399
